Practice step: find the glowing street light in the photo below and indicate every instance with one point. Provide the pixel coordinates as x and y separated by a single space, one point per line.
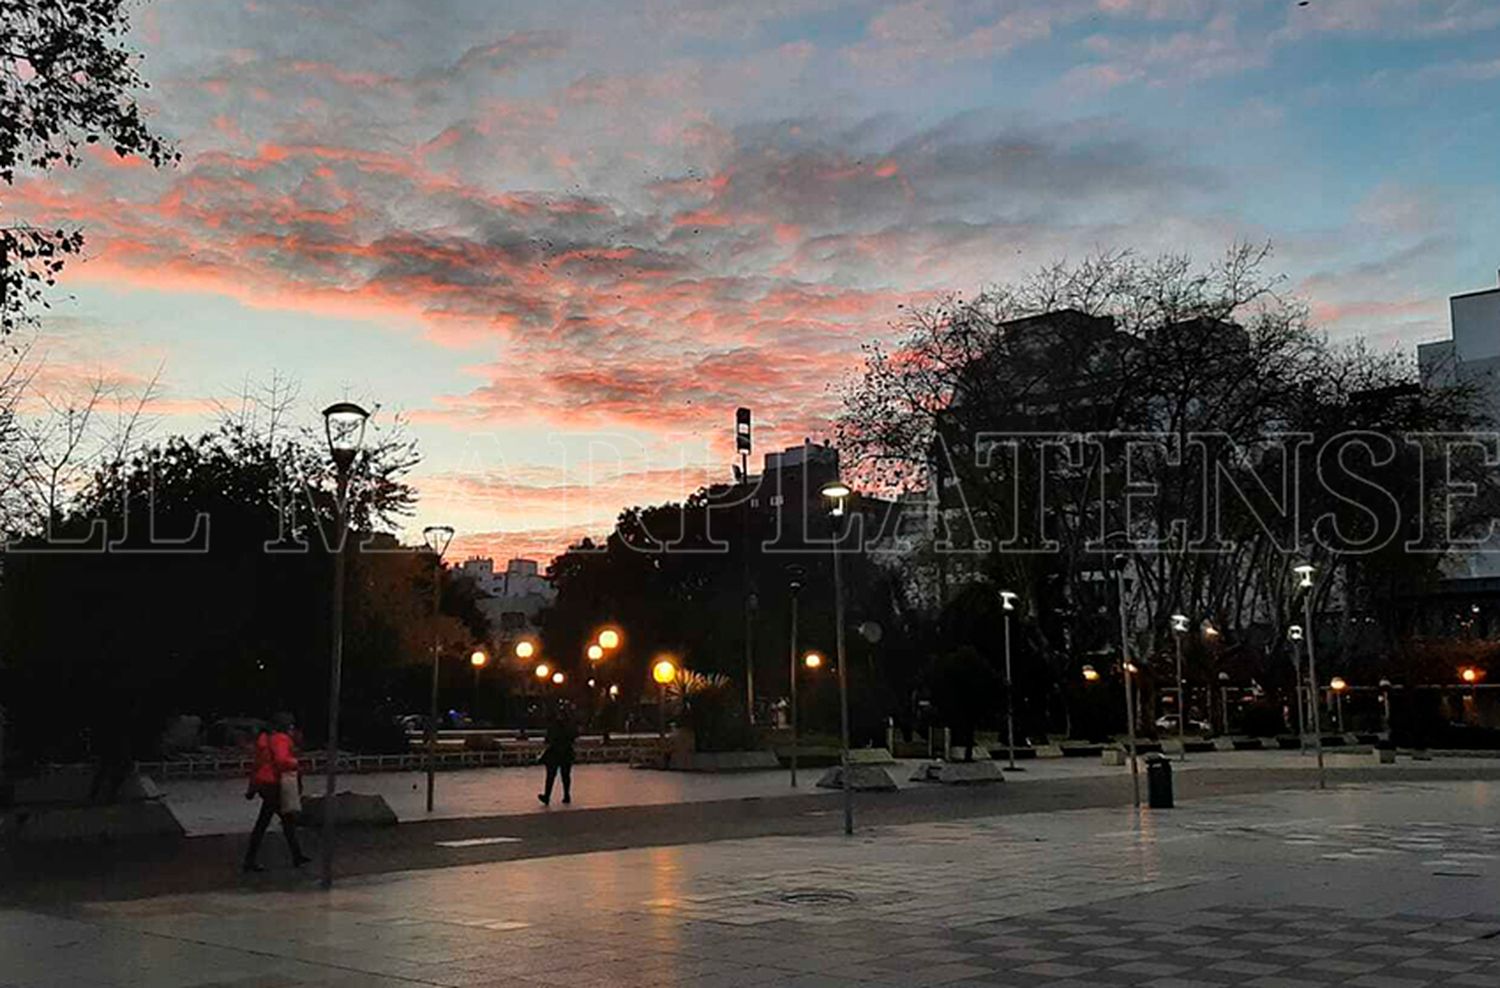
558 679
837 494
437 538
1338 685
1179 629
1007 605
344 425
663 672
609 638
543 671
525 648
1304 573
1090 674
1469 675
813 660
595 652
614 691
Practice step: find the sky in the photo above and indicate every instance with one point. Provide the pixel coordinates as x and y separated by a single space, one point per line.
563 241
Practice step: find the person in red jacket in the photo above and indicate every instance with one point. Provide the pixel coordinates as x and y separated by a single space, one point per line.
275 758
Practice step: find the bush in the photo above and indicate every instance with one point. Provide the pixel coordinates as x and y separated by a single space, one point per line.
711 709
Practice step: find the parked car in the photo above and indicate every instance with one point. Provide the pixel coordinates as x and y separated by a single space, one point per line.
1168 725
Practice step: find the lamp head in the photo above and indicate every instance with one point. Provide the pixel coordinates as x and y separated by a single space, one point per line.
1304 573
1469 674
543 671
525 648
1337 684
595 652
1294 632
344 424
478 658
437 538
558 678
664 671
1008 599
609 638
1179 623
837 492
813 660
1090 674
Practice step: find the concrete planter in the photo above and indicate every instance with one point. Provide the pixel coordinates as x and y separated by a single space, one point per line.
141 820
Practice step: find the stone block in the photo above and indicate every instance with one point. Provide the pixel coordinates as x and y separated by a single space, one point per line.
351 809
957 754
1112 756
1048 750
725 761
862 778
969 773
871 756
142 819
72 785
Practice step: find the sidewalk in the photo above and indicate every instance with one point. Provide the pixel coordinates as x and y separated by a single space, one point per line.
1395 886
217 806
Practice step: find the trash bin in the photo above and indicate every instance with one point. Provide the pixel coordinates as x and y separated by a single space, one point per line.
1159 782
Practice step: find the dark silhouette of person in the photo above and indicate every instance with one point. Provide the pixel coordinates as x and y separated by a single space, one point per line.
558 755
275 758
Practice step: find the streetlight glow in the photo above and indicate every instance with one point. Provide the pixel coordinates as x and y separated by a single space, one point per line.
477 658
543 670
558 678
525 649
664 671
837 492
1469 674
813 660
595 653
1179 622
1090 674
1337 684
609 638
1304 573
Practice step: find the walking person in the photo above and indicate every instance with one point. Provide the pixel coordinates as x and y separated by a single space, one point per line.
276 780
558 755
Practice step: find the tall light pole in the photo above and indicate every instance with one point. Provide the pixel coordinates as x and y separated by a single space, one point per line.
1304 573
1385 707
742 446
1338 685
794 584
1179 628
1224 699
837 492
438 538
1007 605
1295 634
1128 671
344 425
663 673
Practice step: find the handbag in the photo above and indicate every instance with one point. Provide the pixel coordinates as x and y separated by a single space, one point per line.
291 792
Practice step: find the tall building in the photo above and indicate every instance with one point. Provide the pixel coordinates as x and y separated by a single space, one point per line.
1471 355
513 598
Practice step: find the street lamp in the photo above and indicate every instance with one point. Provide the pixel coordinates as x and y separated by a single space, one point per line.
1007 605
664 672
344 426
1224 699
525 648
813 661
1304 572
837 493
1295 636
543 671
794 575
595 652
1090 674
1128 670
1338 685
558 678
1385 706
609 638
437 538
1179 628
477 659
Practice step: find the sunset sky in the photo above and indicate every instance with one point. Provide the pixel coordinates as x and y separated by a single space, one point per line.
566 239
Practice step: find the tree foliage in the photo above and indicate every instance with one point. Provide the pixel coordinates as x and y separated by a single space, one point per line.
68 80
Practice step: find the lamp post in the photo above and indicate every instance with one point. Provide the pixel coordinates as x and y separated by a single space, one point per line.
1224 699
1304 573
794 584
1385 707
1338 685
837 492
1128 671
344 426
663 672
1295 634
1007 605
438 538
478 659
1179 628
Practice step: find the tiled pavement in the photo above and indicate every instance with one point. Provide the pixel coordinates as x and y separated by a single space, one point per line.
1212 894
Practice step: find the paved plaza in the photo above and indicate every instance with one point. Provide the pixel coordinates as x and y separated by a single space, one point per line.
1372 885
217 806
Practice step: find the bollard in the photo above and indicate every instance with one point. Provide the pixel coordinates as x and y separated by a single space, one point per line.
1159 782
